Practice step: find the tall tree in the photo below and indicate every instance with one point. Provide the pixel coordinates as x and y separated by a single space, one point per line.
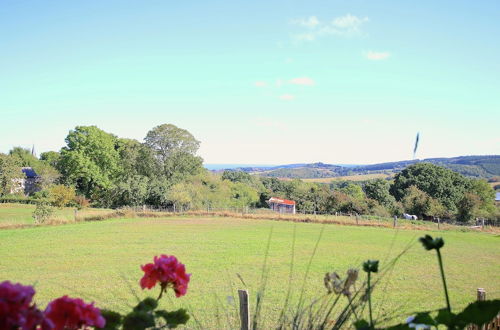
90 160
438 182
9 170
378 190
51 157
168 139
175 150
24 156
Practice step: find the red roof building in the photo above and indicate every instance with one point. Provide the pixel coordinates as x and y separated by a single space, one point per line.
281 205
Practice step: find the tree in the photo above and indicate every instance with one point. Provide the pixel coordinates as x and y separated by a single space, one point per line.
353 190
468 207
158 191
180 165
175 151
417 202
90 160
236 176
168 139
378 190
24 156
486 195
47 174
179 196
243 195
51 157
438 182
9 170
131 191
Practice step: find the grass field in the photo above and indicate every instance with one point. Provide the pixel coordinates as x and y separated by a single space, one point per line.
360 177
12 215
100 261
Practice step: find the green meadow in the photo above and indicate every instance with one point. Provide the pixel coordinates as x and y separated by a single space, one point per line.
100 261
12 215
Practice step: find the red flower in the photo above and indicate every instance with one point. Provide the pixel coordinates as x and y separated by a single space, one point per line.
73 313
16 310
169 272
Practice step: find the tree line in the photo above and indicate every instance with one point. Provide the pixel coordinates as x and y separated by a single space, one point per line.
98 168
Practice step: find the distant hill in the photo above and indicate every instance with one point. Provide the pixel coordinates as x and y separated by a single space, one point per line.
472 166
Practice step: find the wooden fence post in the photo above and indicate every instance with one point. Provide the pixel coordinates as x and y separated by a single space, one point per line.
439 222
481 294
395 221
76 213
244 309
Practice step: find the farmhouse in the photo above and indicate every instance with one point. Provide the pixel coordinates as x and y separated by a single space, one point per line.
27 185
281 205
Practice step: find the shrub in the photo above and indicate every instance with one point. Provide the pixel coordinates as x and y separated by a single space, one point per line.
61 195
81 202
43 211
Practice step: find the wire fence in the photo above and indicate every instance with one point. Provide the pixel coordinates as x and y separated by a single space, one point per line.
479 222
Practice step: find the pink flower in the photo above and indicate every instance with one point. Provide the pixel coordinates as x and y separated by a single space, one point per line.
73 313
169 272
16 309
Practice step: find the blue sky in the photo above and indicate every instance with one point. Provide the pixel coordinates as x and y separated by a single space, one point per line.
257 81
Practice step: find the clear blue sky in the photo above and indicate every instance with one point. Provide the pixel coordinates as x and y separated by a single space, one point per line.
257 81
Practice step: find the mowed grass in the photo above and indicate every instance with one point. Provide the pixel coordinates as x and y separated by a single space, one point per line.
21 214
100 261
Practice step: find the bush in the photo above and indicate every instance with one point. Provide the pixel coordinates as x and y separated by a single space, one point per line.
81 202
61 195
43 211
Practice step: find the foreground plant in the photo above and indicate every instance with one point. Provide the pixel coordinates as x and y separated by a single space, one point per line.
17 311
73 313
429 244
477 313
169 273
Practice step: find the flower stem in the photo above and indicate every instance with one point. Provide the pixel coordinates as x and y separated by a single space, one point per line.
161 293
370 300
163 288
440 260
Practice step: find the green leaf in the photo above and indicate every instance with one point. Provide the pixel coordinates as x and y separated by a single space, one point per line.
113 319
147 305
370 266
138 321
362 325
430 243
175 318
444 317
423 318
478 313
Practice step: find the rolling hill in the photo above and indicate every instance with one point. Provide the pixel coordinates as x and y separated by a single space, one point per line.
472 166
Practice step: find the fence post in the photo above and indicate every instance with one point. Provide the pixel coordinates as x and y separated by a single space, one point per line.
481 294
395 221
76 213
439 222
244 309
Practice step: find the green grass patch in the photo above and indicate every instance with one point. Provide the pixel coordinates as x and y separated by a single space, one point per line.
101 261
12 214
